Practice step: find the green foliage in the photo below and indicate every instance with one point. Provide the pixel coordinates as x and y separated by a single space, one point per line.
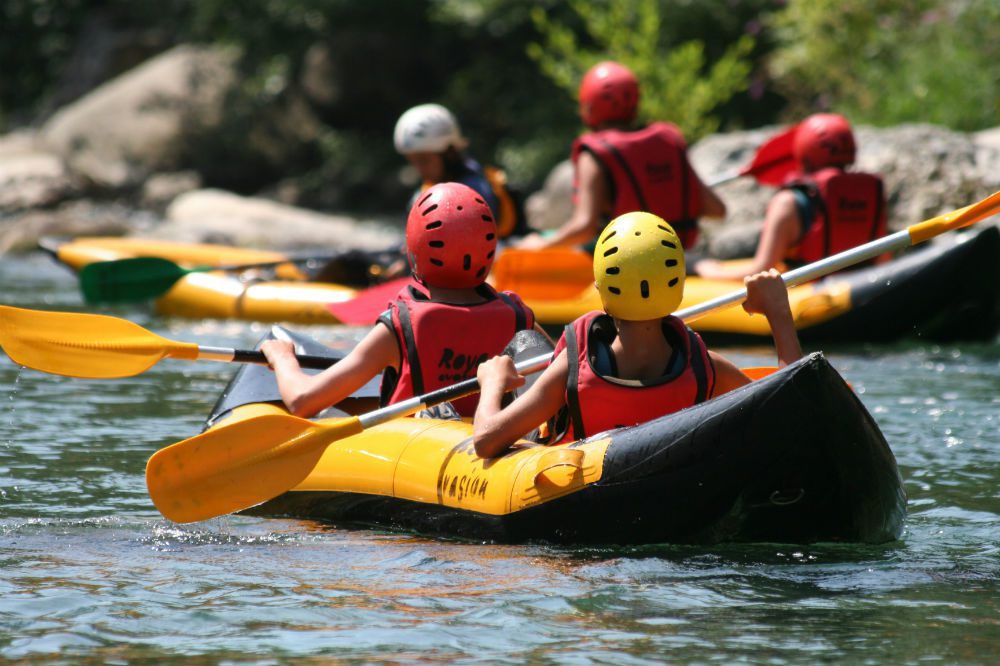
884 62
676 82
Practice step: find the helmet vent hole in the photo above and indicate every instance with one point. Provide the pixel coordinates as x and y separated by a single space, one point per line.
670 263
615 290
490 236
433 225
429 210
668 244
458 208
481 272
606 238
436 243
672 283
613 270
487 218
608 253
478 200
644 289
426 197
437 262
490 255
466 262
638 233
660 226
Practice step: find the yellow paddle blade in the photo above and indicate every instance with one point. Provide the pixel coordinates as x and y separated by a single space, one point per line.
84 345
237 466
956 219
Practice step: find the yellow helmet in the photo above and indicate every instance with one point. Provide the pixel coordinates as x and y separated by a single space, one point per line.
639 267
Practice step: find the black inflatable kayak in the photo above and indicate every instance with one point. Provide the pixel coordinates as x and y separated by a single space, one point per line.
793 457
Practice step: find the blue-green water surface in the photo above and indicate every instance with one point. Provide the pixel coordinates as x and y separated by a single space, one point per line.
90 573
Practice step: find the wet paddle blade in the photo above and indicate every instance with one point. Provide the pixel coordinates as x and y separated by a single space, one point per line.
238 466
129 280
366 305
83 345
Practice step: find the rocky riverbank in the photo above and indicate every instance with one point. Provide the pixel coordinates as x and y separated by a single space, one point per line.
119 161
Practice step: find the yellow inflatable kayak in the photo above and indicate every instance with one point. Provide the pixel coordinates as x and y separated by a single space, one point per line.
947 290
792 457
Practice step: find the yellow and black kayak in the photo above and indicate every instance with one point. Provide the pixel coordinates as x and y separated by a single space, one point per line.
793 457
946 290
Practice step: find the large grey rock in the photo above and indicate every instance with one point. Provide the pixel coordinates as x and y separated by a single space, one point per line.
22 231
31 177
145 120
551 206
222 217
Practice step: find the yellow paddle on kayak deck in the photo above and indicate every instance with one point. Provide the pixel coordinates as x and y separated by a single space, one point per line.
102 347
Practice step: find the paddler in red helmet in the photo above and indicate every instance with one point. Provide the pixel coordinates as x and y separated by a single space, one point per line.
822 210
620 167
430 337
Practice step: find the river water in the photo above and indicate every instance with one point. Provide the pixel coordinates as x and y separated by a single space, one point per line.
90 573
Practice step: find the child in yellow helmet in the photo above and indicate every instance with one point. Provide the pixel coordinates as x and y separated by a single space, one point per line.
634 361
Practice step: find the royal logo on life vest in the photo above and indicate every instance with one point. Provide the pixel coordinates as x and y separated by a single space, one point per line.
455 366
853 210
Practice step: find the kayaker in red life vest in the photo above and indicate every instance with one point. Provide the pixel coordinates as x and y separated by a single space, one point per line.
633 362
619 168
822 210
427 338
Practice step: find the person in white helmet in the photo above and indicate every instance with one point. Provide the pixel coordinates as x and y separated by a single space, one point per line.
429 137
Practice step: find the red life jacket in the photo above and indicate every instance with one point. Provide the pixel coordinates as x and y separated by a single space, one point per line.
442 343
849 209
597 403
648 170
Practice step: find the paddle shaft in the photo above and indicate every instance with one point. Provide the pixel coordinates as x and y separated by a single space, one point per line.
226 355
913 235
733 174
444 394
291 259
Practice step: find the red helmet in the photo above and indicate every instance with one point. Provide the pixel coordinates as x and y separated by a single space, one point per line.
451 237
609 92
822 140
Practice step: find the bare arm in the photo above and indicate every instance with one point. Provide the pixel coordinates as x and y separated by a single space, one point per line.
593 201
495 429
711 204
779 234
768 295
727 375
305 395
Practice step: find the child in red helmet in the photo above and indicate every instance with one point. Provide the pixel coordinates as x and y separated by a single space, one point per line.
620 167
824 209
427 338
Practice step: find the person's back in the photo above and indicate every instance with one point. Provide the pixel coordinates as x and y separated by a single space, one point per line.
821 210
620 167
430 333
456 321
635 361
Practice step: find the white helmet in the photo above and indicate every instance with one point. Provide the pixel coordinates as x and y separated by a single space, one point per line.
428 128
